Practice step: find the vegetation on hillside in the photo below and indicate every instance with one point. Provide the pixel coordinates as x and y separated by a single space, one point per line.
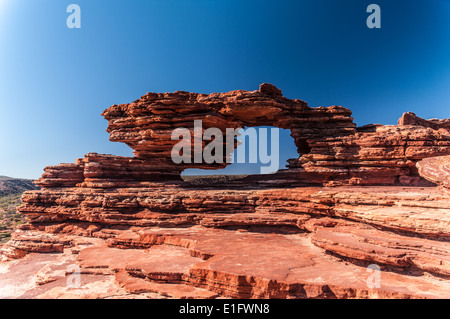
14 186
11 191
9 218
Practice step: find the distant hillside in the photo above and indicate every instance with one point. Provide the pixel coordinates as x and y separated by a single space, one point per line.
12 186
11 190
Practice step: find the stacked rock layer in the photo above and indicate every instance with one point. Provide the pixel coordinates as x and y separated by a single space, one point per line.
354 198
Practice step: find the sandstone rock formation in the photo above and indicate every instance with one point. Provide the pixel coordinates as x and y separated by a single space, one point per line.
436 170
356 196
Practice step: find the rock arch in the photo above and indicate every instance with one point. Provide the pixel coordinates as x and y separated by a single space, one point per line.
146 124
333 151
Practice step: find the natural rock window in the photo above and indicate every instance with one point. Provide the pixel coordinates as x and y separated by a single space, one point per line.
246 159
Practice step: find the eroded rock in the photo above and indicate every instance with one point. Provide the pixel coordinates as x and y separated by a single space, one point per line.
354 197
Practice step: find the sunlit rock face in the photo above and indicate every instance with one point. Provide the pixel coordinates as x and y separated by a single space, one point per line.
355 197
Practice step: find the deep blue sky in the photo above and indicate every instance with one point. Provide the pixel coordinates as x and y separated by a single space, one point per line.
55 81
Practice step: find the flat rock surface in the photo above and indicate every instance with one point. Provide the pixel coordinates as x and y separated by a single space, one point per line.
198 262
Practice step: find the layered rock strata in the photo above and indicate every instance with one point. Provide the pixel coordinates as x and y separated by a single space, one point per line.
355 197
436 170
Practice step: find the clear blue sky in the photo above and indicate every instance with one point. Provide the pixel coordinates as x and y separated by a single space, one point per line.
55 81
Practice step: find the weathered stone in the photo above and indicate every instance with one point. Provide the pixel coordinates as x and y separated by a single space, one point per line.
355 196
436 170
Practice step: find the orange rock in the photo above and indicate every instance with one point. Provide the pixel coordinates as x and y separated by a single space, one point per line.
436 170
355 196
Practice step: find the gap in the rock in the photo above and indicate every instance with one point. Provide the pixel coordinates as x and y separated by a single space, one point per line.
286 150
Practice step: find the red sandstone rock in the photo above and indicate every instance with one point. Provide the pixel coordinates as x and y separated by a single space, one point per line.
410 118
436 170
288 266
355 196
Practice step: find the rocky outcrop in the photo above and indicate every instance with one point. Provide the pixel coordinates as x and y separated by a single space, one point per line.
333 151
410 118
436 170
355 197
